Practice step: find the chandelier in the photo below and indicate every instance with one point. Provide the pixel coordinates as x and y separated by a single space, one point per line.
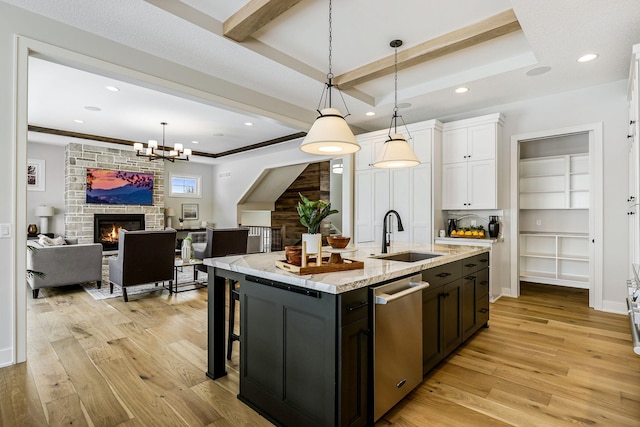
330 133
396 152
153 152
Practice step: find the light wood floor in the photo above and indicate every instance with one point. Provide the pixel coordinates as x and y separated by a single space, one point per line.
546 360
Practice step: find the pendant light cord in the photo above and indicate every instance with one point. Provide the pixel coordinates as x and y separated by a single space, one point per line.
395 104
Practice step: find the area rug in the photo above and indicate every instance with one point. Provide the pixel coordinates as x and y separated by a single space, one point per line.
185 276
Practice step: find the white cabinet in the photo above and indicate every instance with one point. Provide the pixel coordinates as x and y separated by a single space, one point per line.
555 259
469 163
556 182
409 191
634 160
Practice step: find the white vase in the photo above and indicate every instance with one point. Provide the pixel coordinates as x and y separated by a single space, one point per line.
312 242
185 253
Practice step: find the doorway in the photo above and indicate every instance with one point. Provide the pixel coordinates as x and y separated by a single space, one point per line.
556 199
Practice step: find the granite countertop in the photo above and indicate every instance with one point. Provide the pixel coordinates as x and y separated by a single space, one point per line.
374 271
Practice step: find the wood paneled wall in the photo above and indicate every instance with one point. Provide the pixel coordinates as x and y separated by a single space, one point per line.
313 183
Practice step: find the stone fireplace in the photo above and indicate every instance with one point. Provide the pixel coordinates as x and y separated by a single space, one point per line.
79 216
107 226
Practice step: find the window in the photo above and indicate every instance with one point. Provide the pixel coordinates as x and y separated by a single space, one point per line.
184 186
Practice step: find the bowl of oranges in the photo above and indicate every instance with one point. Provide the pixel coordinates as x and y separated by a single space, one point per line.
469 233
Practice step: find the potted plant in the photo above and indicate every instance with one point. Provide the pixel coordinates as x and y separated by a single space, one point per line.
311 215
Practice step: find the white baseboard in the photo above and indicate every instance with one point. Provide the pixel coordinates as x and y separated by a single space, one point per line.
6 357
614 307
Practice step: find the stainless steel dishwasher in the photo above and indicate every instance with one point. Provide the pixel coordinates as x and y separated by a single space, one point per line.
397 341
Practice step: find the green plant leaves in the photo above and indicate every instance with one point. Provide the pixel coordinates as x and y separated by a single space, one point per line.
313 212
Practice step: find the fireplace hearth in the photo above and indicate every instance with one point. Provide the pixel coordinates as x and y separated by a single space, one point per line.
107 226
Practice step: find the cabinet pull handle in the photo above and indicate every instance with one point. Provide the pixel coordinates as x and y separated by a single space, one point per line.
443 274
470 277
484 310
470 265
284 287
444 294
356 307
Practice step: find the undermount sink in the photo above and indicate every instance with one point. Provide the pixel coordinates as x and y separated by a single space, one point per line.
408 256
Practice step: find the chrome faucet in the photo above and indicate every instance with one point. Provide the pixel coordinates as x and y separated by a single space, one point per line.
385 235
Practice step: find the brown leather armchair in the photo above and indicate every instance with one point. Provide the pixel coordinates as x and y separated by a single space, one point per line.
144 256
223 242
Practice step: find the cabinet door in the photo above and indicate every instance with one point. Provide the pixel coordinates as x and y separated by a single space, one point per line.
354 374
431 333
482 142
364 156
469 309
420 225
381 199
481 185
401 202
364 224
451 319
454 146
454 186
421 143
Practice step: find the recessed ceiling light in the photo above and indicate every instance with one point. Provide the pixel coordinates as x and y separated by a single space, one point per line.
248 124
538 71
194 142
404 105
588 57
79 121
370 113
462 89
91 108
112 89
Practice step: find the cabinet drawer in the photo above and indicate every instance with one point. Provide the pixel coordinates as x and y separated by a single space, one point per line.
442 274
482 311
354 305
482 283
475 263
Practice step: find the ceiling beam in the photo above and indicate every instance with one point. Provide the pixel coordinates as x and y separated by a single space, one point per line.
126 142
253 16
474 34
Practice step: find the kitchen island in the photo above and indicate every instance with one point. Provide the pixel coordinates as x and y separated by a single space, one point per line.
305 353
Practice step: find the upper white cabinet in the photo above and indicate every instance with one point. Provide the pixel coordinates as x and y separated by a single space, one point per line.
470 163
634 159
409 191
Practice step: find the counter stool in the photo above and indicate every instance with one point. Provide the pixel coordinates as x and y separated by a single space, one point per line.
234 295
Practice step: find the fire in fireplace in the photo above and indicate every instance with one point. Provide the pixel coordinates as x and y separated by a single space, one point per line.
107 226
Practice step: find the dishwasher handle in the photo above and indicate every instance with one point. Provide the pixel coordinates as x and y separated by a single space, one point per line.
413 287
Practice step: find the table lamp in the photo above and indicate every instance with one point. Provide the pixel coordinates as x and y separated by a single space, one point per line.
169 212
44 212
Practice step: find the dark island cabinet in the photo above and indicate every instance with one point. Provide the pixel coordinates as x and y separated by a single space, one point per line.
454 306
304 354
441 320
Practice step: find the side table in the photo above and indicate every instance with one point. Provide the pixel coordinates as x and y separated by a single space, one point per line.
180 263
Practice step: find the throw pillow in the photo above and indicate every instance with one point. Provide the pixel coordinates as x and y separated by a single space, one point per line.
48 241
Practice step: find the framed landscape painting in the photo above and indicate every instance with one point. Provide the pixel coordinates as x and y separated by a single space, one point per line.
113 187
189 211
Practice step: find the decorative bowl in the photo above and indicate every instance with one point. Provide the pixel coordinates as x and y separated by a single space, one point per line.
338 242
293 254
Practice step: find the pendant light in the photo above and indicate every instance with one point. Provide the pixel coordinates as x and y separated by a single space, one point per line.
330 133
396 152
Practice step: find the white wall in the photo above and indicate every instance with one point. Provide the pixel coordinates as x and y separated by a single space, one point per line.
205 202
235 174
53 155
607 104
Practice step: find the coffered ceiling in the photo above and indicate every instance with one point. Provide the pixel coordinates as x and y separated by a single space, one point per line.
279 49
